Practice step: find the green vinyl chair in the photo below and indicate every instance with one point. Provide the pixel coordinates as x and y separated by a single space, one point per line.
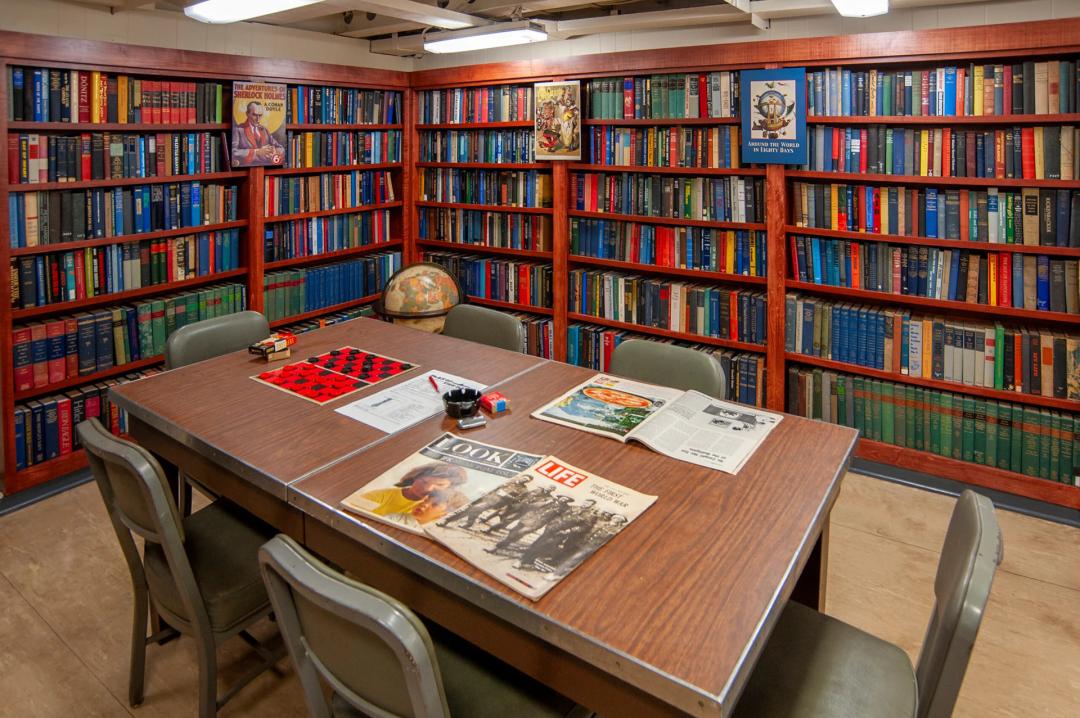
814 665
378 658
201 574
485 326
669 365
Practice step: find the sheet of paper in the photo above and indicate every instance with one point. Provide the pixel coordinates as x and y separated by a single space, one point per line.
405 404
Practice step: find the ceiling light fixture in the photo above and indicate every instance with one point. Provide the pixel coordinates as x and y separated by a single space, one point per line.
861 8
485 37
225 11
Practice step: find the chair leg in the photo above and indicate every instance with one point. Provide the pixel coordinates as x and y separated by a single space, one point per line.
138 647
208 702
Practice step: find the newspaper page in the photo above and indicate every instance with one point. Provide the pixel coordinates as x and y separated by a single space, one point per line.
538 527
608 406
708 432
402 405
445 475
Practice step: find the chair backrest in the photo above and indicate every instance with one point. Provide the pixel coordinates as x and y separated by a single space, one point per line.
485 326
372 650
213 337
669 365
969 558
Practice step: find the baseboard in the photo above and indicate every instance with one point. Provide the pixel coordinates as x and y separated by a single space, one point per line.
28 497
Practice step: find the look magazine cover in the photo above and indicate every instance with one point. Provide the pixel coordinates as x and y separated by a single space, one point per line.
538 527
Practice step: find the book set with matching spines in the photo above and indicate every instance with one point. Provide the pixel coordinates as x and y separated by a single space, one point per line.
663 147
673 96
328 105
341 148
485 146
467 105
320 235
526 284
507 188
702 199
292 292
319 192
42 94
506 230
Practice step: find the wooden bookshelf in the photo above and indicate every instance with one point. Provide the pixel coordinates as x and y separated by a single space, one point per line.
486 207
31 126
93 378
483 249
674 221
123 181
273 171
792 229
307 259
660 332
512 306
125 238
648 169
950 120
352 303
487 165
475 125
698 274
867 178
662 121
331 212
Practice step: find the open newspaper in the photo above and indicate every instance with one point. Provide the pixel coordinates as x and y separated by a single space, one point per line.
689 426
445 475
535 529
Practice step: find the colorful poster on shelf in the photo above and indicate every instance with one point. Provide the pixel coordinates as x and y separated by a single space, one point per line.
774 116
258 133
558 120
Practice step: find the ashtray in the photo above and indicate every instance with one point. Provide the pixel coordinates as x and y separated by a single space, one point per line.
460 403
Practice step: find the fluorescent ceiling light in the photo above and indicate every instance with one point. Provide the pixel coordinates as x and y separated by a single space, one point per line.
485 37
223 11
861 8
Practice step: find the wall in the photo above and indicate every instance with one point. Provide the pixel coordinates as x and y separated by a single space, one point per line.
173 30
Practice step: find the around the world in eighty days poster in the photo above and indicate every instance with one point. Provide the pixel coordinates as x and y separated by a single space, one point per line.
258 135
774 116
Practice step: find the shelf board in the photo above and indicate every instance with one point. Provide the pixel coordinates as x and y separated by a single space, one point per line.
683 336
328 256
860 177
675 221
331 212
45 471
489 165
474 125
970 473
652 121
89 378
698 171
512 306
325 310
124 238
274 171
1036 315
483 249
120 297
123 181
941 385
932 242
317 126
31 126
698 274
946 120
486 207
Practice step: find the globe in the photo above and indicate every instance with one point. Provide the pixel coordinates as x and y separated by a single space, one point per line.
420 295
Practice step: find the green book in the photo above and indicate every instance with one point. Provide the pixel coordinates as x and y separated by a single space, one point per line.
860 404
920 433
935 422
170 316
157 325
958 427
1045 440
946 424
889 150
146 330
888 412
1055 446
910 413
991 433
927 411
999 356
968 453
841 400
1004 438
1016 446
1065 460
818 398
1030 465
1076 452
875 410
978 448
900 409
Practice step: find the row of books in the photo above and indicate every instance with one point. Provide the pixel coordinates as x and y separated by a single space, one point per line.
1028 216
1027 88
1034 442
58 216
509 230
706 94
710 250
346 315
42 94
524 283
715 199
327 105
307 289
45 279
319 235
337 190
707 147
539 337
1037 153
56 350
591 346
999 279
980 354
477 146
499 103
321 149
509 188
712 311
34 158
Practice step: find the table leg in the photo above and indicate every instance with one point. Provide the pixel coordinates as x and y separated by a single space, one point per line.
810 588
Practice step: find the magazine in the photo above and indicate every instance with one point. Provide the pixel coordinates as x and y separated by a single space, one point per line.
689 426
538 527
445 475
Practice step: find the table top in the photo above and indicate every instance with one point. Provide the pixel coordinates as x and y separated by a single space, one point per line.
678 603
272 437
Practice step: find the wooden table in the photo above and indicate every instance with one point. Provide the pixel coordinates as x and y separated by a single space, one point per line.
667 619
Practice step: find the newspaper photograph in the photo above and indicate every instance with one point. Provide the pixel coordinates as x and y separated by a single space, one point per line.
608 406
445 475
538 527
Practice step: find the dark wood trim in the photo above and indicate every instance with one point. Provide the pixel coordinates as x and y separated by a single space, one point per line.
648 169
284 321
946 120
276 171
512 306
125 238
863 177
272 218
676 221
307 259
118 181
89 378
483 249
698 274
776 196
485 207
933 242
660 332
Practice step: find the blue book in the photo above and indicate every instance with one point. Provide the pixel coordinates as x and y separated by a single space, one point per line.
17 84
879 343
1042 282
36 439
815 248
933 89
1018 280
845 92
104 336
950 91
17 237
834 333
20 436
931 271
905 345
954 273
51 427
863 340
1063 202
931 212
41 96
898 153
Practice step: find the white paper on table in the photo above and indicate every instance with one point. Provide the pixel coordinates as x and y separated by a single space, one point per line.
402 405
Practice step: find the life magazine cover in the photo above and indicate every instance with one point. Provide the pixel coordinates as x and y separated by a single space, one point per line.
445 475
538 527
685 425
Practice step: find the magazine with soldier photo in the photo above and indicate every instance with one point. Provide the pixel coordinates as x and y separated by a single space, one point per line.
685 425
533 530
445 475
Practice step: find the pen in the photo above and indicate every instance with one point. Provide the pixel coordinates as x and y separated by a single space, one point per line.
434 384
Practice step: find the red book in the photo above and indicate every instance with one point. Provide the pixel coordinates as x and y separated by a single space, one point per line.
961 95
33 151
63 423
794 258
84 97
1005 279
13 158
85 156
924 94
57 359
24 363
930 149
628 98
703 96
733 325
609 346
39 353
837 147
877 210
93 405
80 276
946 152
1027 151
71 332
999 154
1007 83
191 103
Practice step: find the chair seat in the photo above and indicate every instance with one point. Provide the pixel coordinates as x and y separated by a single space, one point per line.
814 665
222 544
479 686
